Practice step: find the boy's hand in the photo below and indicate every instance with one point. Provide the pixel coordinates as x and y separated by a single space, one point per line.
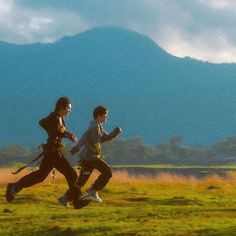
118 130
70 136
73 138
73 150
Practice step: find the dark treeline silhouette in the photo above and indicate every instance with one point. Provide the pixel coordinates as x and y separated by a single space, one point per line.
134 151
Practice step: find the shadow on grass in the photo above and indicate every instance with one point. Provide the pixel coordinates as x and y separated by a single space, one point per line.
178 201
230 231
138 199
32 199
57 231
175 201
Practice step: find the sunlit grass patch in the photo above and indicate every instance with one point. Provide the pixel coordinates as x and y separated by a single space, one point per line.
132 205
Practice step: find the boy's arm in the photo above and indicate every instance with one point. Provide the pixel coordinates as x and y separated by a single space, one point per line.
107 137
70 136
80 143
60 128
56 125
52 124
65 133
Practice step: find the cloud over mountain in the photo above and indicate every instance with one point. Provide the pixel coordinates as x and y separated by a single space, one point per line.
200 29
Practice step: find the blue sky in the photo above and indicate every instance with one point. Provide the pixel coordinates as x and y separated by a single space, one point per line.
201 29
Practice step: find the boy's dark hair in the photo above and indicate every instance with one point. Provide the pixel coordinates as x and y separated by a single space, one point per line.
98 111
62 102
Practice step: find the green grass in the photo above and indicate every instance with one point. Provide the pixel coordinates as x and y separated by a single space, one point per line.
130 207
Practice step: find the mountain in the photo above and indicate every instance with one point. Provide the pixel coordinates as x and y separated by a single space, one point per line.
150 93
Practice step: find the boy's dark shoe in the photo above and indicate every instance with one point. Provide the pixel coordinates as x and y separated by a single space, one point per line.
10 192
64 200
80 203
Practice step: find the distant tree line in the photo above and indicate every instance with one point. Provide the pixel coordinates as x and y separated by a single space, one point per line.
134 151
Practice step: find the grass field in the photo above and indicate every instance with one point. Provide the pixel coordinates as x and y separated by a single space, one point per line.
164 205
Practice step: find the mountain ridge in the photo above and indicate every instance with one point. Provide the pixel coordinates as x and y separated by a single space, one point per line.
150 93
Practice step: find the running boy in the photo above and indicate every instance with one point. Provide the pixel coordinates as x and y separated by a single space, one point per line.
91 156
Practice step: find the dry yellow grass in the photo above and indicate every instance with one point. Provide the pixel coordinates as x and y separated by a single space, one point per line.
123 177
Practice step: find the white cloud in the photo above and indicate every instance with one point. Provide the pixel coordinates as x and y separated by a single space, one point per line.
22 25
37 23
5 7
201 29
220 4
207 46
184 28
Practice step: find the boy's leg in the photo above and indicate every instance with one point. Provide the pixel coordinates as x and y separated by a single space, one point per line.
101 181
63 166
104 177
33 178
73 193
85 172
